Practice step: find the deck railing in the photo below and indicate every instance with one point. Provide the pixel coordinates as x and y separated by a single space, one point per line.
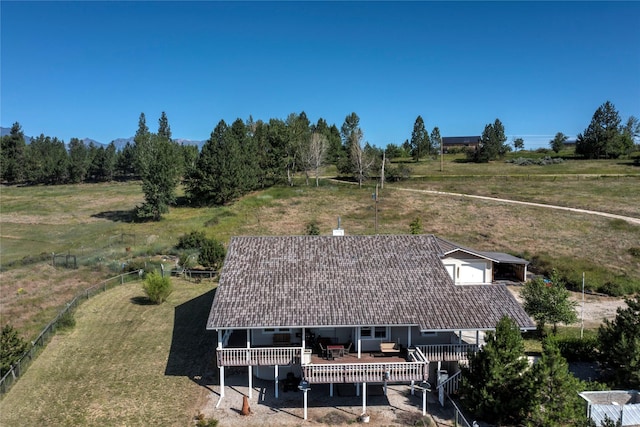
447 352
365 372
259 356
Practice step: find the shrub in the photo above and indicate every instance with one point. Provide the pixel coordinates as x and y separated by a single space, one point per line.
212 253
578 350
12 347
66 320
193 240
312 228
415 227
157 288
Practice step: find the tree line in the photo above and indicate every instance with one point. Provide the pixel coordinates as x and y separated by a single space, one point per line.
247 155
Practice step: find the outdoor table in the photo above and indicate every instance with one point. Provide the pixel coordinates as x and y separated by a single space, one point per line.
335 350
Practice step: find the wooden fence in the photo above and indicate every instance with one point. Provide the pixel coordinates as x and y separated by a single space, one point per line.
19 368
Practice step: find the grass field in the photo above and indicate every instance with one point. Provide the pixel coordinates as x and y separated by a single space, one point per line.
93 222
125 363
128 363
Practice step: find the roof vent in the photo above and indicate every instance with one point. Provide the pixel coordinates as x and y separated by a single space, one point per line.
338 231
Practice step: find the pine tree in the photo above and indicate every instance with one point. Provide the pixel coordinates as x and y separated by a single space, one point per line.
164 130
420 143
553 391
492 143
13 156
604 137
492 383
78 160
12 347
619 344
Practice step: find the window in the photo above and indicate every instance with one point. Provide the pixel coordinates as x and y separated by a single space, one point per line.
374 332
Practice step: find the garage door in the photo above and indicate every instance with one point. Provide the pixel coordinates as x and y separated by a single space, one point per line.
472 273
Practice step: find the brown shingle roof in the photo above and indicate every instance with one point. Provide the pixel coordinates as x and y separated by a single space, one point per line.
295 281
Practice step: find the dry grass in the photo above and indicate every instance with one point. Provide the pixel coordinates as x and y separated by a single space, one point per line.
123 364
88 219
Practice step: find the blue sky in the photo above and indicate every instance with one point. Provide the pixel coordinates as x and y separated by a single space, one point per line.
87 69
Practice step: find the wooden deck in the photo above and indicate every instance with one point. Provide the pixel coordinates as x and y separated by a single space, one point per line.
365 357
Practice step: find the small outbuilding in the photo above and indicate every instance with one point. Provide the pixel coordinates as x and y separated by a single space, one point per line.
618 405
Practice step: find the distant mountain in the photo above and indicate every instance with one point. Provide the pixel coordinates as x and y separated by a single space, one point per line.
7 131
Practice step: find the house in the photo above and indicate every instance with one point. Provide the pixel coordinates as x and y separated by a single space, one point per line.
460 142
468 266
349 309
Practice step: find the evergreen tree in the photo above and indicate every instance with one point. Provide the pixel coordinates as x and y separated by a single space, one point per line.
13 156
160 175
12 347
492 144
619 344
553 391
126 161
436 139
349 131
164 130
78 160
492 383
420 142
604 137
47 160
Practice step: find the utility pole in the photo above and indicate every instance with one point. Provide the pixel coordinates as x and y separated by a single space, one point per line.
375 198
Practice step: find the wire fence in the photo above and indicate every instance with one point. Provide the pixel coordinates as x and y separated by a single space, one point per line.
19 368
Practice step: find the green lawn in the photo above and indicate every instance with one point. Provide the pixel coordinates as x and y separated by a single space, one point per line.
125 363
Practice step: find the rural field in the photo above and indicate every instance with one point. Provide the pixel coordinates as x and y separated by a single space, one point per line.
127 363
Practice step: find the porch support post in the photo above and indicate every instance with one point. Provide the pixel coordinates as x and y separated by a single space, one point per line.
359 339
330 389
424 401
250 367
276 378
364 398
408 336
413 384
460 338
477 338
357 389
220 332
305 402
303 342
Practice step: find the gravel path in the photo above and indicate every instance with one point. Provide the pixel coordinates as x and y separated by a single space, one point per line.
629 219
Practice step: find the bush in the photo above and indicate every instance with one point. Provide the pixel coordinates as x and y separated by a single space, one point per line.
193 240
66 320
12 347
157 288
578 350
212 254
312 228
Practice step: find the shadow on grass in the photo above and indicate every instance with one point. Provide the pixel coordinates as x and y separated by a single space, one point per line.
192 345
141 301
115 216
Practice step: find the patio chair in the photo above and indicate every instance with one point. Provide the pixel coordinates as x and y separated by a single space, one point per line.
347 349
323 351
